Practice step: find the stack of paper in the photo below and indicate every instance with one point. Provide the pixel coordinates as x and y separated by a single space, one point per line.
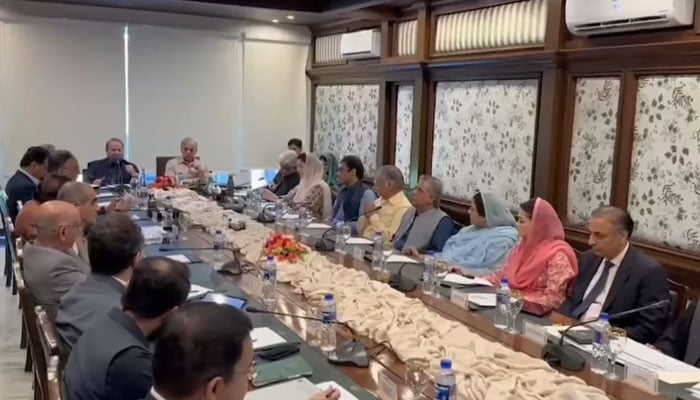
152 234
667 369
179 257
401 259
457 279
356 241
482 299
265 337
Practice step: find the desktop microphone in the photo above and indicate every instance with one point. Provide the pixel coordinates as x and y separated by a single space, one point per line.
233 267
398 282
559 354
352 353
326 243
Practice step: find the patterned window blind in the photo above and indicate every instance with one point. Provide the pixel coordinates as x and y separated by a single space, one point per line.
327 50
404 129
406 38
509 25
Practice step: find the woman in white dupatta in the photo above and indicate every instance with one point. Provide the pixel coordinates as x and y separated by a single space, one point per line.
312 193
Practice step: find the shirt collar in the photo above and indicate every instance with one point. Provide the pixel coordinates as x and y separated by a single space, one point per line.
396 199
156 395
123 282
36 181
618 259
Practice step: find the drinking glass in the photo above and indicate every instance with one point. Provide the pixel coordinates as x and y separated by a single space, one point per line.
516 305
345 232
441 270
617 340
314 328
416 376
184 223
387 251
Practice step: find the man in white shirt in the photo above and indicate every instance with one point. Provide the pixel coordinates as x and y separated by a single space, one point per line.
615 276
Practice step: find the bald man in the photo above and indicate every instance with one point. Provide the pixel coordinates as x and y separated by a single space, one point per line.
51 265
83 197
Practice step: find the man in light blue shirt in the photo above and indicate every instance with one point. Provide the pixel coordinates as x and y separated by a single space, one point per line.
354 196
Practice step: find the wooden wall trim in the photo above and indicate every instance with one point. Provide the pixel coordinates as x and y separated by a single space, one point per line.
547 138
422 131
384 122
555 33
622 160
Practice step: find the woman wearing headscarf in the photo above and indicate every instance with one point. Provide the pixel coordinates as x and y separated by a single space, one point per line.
481 248
312 193
543 265
330 168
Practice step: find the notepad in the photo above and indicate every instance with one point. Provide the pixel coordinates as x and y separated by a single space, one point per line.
265 337
290 216
197 292
400 258
297 389
316 225
355 241
344 394
482 299
457 279
179 257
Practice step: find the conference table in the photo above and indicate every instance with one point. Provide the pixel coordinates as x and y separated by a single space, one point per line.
385 368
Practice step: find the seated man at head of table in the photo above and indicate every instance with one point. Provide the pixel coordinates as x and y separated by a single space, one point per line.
384 215
188 168
354 195
114 244
64 163
205 353
615 276
681 340
424 227
22 186
112 359
51 265
113 169
288 176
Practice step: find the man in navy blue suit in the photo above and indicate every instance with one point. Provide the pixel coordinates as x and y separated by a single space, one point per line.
22 185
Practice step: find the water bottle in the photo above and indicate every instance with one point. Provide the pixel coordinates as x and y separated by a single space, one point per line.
269 295
168 213
502 305
429 274
599 353
219 245
180 179
279 215
378 252
446 383
328 312
339 239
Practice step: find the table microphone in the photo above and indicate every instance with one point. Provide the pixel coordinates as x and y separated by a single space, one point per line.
233 267
567 357
325 243
352 353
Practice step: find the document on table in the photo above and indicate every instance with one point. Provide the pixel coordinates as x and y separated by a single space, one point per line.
103 195
290 216
152 232
401 259
344 394
482 299
197 292
355 241
295 389
179 257
316 225
668 369
265 337
458 279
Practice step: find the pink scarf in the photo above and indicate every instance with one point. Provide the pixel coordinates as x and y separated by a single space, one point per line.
530 258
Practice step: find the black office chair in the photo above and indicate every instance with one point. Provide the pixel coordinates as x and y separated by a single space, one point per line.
161 161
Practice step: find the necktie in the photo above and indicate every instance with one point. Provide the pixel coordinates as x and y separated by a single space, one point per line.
595 292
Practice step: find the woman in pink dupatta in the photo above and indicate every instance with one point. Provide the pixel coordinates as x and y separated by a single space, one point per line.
542 265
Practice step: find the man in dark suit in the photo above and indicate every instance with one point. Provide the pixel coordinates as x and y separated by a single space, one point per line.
23 184
204 353
112 359
614 276
112 170
681 340
114 247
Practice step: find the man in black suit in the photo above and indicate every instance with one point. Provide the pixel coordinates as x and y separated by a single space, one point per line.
112 359
22 185
205 353
681 340
112 170
614 276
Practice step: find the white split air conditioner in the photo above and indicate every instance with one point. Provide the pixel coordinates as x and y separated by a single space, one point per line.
590 17
361 44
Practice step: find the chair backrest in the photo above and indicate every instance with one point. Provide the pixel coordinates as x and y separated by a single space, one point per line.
680 294
30 319
160 164
50 351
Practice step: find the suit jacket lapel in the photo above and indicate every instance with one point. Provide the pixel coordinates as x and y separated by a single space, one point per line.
623 272
585 278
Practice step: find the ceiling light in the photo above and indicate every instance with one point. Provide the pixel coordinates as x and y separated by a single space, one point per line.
275 21
290 17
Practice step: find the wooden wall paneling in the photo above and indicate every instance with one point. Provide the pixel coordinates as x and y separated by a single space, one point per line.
387 47
555 34
622 161
389 156
548 137
312 111
422 129
424 34
696 22
384 123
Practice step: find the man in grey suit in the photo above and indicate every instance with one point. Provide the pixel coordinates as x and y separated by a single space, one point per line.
51 266
114 246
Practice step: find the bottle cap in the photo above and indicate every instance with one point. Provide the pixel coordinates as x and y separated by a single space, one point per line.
329 296
446 363
270 258
218 232
504 280
604 317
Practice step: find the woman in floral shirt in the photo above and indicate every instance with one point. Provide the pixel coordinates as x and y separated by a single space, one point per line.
543 265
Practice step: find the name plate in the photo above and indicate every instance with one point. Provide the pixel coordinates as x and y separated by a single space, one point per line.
358 252
459 298
642 377
387 388
536 333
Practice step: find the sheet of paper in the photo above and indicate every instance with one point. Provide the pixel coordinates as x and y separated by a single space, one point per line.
179 257
483 299
354 241
135 217
240 193
295 389
668 369
265 337
344 394
401 259
197 292
151 232
103 195
290 216
458 279
316 225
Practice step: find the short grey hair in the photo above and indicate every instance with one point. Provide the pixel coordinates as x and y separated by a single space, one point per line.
435 187
188 140
390 175
77 193
619 217
288 157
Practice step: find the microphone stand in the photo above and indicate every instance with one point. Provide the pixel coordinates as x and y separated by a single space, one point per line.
351 353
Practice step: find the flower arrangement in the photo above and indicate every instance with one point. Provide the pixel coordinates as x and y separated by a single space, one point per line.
284 248
165 183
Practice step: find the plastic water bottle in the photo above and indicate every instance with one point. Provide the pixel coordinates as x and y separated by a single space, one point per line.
168 213
328 313
428 274
378 252
502 305
219 245
279 215
269 294
599 353
446 383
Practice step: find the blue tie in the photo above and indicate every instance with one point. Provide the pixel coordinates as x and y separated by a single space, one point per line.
593 294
